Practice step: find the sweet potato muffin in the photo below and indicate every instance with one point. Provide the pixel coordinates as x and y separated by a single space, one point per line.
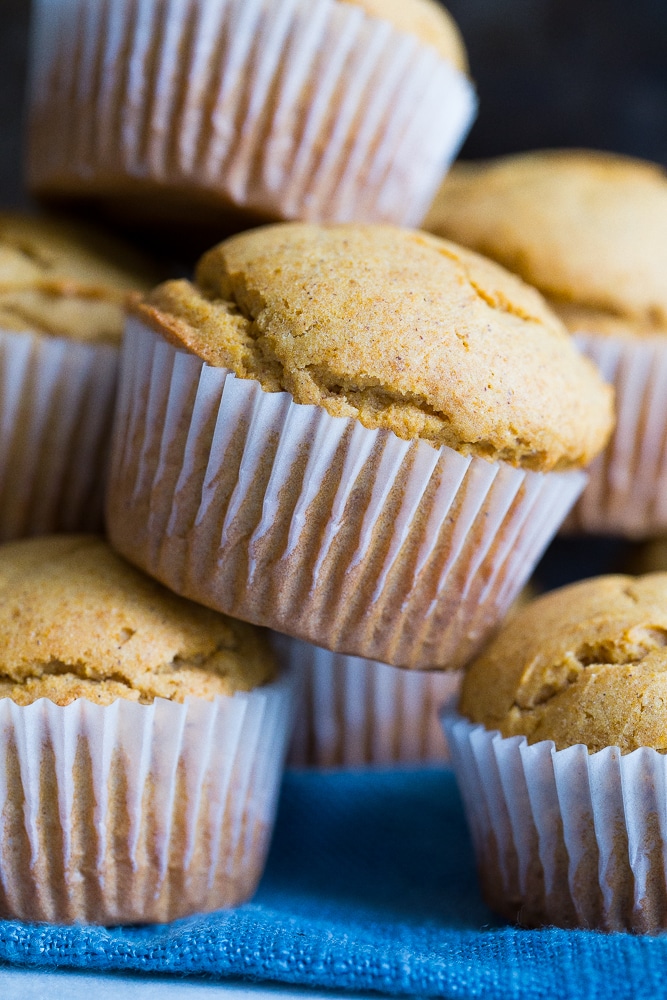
62 292
345 436
398 330
585 664
142 739
63 279
247 109
559 746
77 621
590 231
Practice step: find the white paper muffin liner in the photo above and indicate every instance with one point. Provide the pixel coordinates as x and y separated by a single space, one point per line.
356 712
627 490
131 813
293 109
56 408
282 515
563 836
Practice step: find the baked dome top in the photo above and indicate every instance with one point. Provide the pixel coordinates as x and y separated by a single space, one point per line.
583 664
588 229
398 329
65 279
77 621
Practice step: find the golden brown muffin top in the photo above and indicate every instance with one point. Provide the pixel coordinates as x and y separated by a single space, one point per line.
399 330
77 621
426 19
588 229
584 664
63 279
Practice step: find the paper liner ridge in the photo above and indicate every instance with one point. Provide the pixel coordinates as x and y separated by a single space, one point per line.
281 514
565 837
136 813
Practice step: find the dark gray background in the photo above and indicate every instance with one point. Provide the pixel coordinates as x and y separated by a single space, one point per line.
587 73
549 73
14 15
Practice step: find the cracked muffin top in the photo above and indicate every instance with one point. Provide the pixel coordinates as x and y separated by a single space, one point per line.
426 19
399 330
588 229
63 279
77 621
584 664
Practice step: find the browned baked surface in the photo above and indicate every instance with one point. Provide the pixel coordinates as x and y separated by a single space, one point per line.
61 278
77 621
588 229
398 329
584 664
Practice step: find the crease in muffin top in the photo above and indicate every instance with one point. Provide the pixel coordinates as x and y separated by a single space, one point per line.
399 330
77 621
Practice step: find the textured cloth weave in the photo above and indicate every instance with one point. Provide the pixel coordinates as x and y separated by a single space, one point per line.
370 886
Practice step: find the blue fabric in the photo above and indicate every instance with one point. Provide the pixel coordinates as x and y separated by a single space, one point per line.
370 885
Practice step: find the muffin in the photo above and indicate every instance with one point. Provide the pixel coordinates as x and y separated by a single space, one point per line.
142 740
590 231
559 749
62 291
224 112
355 712
360 436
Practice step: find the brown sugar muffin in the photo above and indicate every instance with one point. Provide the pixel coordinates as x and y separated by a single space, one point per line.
158 729
559 750
360 436
247 110
590 231
62 293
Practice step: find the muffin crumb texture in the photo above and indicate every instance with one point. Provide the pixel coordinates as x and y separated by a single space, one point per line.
398 329
76 621
62 279
585 664
589 229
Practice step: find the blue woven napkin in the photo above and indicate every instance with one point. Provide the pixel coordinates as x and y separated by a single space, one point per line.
370 885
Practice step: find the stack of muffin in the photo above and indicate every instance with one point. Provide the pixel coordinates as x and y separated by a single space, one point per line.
359 436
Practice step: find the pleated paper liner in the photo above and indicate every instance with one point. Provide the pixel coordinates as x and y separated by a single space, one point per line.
627 489
292 109
56 408
565 837
355 712
313 525
131 813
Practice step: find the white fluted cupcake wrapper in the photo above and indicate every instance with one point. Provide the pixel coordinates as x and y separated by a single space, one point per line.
133 813
627 490
313 525
306 110
355 712
56 407
563 836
